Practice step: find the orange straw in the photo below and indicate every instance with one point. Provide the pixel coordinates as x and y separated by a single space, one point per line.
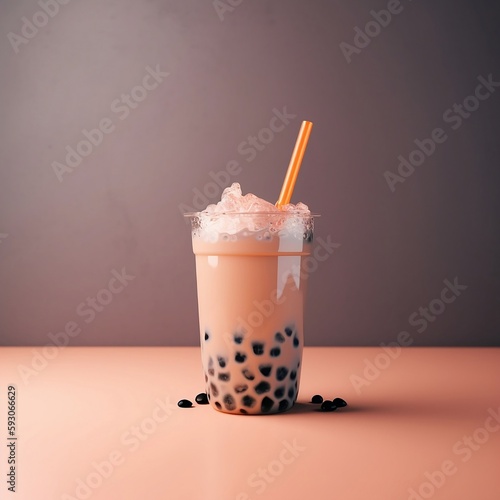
294 166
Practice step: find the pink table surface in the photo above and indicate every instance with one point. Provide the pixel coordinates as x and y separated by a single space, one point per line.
102 423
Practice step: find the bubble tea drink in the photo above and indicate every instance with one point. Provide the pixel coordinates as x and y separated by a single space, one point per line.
250 300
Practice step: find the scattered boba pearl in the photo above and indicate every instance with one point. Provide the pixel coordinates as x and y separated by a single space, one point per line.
283 405
222 361
275 352
201 398
281 373
242 410
241 388
248 401
265 369
339 403
317 399
262 387
229 402
224 377
279 392
291 392
258 348
214 389
266 405
279 338
206 377
238 338
211 371
288 331
240 357
328 406
207 336
218 405
295 342
248 374
293 375
184 403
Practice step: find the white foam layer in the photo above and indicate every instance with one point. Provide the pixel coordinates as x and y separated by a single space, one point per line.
238 213
233 201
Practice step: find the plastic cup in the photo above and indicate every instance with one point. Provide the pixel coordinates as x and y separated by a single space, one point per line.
251 289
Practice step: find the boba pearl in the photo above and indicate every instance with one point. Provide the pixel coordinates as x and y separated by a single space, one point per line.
258 348
281 372
279 337
283 405
206 336
184 403
229 402
240 357
295 342
339 403
328 406
248 374
262 387
288 331
279 392
266 405
238 338
317 399
293 375
201 398
241 388
275 352
248 401
224 377
265 369
222 361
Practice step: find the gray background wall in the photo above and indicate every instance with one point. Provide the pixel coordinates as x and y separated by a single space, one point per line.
61 238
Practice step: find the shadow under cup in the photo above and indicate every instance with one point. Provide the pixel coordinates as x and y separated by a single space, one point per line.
251 286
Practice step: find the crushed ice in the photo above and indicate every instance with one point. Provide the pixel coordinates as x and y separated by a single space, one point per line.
237 213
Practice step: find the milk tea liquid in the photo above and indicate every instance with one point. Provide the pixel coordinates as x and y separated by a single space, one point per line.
250 301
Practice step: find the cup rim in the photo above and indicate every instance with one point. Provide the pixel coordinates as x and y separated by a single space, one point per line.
243 214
